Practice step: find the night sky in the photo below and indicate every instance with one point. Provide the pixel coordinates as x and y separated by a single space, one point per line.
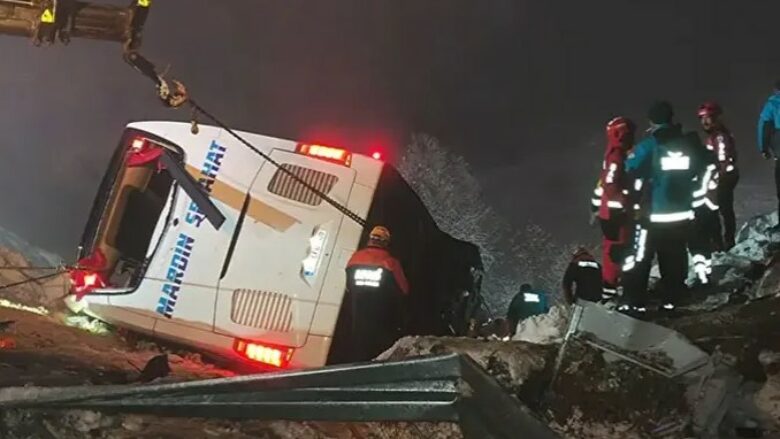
522 89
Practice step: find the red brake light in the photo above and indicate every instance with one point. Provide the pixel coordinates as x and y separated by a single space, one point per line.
329 153
275 356
143 151
86 277
377 155
84 282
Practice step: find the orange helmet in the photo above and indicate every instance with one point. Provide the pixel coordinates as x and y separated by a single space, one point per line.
380 234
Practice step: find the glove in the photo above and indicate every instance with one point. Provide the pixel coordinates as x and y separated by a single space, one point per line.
593 217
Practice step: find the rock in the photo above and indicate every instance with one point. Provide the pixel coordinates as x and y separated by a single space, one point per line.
157 367
768 398
712 391
544 329
133 423
84 421
593 398
523 368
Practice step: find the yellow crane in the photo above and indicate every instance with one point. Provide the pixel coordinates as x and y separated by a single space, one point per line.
47 22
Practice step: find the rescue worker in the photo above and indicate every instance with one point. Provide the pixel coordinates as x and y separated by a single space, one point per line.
612 202
706 235
769 136
376 291
582 279
721 144
527 303
669 161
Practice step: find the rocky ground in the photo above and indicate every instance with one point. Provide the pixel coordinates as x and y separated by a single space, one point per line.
590 394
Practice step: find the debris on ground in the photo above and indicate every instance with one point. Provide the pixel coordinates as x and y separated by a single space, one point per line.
599 391
157 367
544 329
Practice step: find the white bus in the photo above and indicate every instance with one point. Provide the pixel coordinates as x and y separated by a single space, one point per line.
254 268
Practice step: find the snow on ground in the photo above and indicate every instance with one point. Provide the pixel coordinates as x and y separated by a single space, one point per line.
544 329
36 256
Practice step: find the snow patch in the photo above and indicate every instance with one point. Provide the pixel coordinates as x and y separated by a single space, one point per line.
544 329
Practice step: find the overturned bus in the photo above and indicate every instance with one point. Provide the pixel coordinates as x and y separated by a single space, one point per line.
198 240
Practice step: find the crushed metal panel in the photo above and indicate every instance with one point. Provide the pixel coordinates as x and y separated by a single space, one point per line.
445 388
652 346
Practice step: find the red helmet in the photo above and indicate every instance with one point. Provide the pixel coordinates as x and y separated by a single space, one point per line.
619 130
711 109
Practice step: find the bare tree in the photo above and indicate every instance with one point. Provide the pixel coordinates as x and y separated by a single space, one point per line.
452 194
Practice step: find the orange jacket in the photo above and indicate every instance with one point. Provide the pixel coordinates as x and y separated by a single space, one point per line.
379 257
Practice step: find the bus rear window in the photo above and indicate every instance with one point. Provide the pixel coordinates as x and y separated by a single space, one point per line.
126 212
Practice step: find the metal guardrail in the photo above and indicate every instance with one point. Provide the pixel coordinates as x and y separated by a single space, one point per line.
446 388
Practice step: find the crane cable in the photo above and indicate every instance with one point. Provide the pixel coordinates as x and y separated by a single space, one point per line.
31 280
177 95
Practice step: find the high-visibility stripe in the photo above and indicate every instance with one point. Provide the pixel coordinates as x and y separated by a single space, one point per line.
675 162
588 264
614 204
640 254
671 217
638 184
721 149
611 173
531 297
630 264
698 203
729 168
705 181
596 202
710 204
599 191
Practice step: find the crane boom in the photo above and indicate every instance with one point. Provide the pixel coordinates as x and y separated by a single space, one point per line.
49 21
45 21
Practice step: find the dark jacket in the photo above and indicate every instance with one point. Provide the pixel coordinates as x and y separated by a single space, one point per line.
670 162
769 125
582 279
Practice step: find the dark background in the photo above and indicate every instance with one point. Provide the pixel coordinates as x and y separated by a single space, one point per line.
522 89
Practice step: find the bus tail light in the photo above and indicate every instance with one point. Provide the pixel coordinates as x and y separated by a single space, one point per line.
274 356
142 151
87 276
329 153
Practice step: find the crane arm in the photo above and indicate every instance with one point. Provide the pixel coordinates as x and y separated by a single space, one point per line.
49 21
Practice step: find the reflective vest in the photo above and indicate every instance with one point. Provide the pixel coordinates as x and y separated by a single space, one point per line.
671 162
370 266
611 193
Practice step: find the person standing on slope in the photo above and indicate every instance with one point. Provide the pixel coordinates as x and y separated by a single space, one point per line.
669 161
612 203
377 289
705 235
769 136
720 142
